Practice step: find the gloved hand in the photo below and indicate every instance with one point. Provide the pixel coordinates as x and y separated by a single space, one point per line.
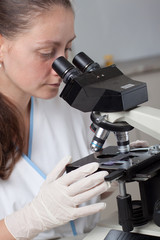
139 144
112 187
58 199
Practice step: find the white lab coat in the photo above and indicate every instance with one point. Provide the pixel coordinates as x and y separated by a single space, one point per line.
56 130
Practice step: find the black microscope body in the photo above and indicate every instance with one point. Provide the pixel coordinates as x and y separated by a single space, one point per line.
91 88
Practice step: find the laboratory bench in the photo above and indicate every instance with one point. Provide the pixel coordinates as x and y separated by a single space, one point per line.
111 222
139 66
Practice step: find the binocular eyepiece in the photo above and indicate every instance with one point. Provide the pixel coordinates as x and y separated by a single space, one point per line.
67 71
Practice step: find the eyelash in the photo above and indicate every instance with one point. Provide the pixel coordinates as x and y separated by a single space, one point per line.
51 55
48 55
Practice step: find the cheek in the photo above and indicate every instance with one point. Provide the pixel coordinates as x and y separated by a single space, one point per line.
25 70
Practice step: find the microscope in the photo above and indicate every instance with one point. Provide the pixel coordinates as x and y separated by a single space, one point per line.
114 101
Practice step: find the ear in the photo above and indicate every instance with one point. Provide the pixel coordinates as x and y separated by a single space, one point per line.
2 43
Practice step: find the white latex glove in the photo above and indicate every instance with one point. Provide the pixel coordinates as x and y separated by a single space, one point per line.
112 187
139 144
58 199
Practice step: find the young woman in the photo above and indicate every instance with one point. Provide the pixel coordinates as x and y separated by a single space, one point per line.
37 128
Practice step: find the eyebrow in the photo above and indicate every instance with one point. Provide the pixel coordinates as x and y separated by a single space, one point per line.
50 42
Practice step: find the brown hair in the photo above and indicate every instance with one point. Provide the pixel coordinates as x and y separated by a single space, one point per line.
15 18
11 136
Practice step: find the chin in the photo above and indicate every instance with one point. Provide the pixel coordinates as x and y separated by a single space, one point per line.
50 95
46 94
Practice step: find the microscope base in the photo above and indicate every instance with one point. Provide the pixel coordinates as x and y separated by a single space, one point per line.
120 235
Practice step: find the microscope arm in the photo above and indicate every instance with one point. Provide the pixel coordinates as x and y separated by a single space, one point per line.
144 118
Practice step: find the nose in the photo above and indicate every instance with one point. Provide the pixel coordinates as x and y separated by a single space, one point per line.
54 73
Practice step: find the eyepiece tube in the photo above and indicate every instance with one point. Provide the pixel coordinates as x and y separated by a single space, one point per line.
84 63
61 66
65 69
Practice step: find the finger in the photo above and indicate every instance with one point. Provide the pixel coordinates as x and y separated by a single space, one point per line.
139 143
89 210
113 186
85 196
79 173
59 169
87 183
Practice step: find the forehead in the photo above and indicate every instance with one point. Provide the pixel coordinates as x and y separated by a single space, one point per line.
57 21
55 24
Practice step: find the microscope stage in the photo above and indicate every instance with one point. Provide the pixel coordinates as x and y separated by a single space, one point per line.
132 165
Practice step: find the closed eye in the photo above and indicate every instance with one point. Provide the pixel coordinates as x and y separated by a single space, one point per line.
48 55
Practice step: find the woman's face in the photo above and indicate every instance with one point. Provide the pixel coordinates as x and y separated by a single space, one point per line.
27 60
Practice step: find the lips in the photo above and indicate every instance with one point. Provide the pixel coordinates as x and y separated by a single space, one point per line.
55 84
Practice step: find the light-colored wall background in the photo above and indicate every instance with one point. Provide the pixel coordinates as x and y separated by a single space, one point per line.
127 29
